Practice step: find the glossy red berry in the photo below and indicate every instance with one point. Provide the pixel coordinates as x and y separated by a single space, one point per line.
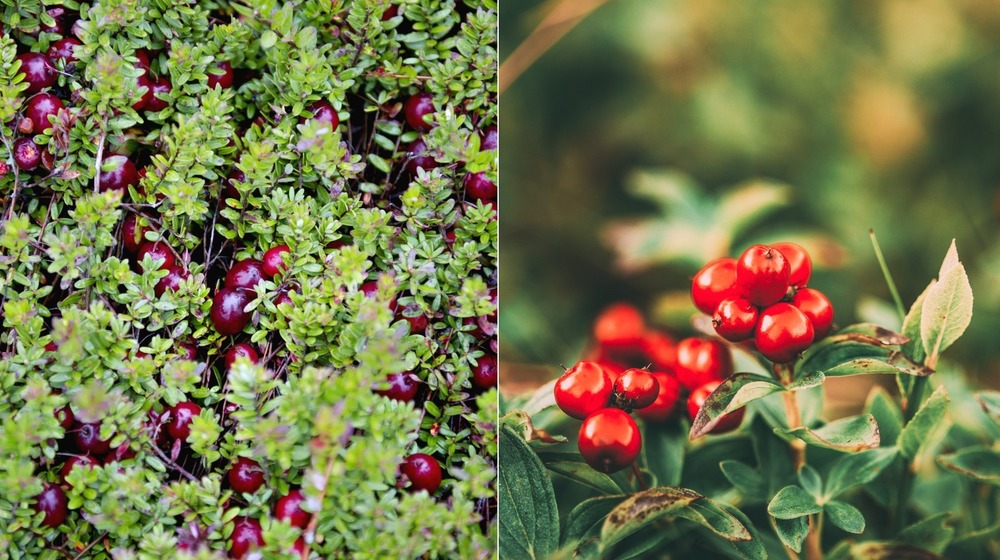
180 419
52 502
416 108
283 299
176 275
700 360
489 138
87 437
423 472
273 262
246 273
64 414
696 400
133 233
783 331
289 509
245 476
619 325
63 49
666 399
370 289
735 319
715 282
417 158
143 81
799 263
660 350
763 273
118 173
817 307
403 386
584 389
27 154
77 461
484 373
160 86
247 535
158 251
479 187
228 310
635 388
187 351
241 350
224 79
418 323
40 108
323 111
38 71
609 440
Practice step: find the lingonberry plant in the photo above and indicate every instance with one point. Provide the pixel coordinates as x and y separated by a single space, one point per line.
736 457
231 306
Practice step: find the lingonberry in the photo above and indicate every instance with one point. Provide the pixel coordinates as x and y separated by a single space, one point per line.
417 158
172 281
158 87
40 108
118 173
715 282
181 415
479 187
159 251
274 263
27 154
666 399
619 325
241 350
52 502
87 437
735 319
133 233
416 108
403 386
323 111
583 389
763 272
799 263
696 400
224 78
38 71
63 49
817 307
247 535
783 331
700 360
484 373
245 476
245 274
77 461
289 508
660 349
609 440
228 310
635 388
423 472
489 138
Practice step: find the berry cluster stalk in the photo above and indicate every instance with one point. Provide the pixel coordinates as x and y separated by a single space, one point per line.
813 547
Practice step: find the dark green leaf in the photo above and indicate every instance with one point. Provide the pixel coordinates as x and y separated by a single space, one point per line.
887 414
792 532
664 447
585 475
857 469
852 434
931 533
881 551
773 457
845 516
527 500
586 518
946 312
810 480
733 393
752 549
990 400
745 479
980 463
639 544
915 433
791 502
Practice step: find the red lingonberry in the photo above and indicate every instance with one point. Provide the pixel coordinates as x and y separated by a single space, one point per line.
52 502
817 307
660 349
417 158
620 324
418 323
635 388
224 79
423 472
27 154
403 386
228 310
246 273
87 437
133 233
763 272
479 187
247 535
783 331
40 108
666 399
583 389
245 476
289 508
484 373
696 400
800 265
700 360
158 251
735 319
181 415
416 108
241 350
715 282
38 71
609 440
283 299
273 261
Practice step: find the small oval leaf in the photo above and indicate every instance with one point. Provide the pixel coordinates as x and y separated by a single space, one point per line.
644 507
852 434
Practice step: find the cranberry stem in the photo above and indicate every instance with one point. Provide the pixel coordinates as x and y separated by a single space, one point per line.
172 464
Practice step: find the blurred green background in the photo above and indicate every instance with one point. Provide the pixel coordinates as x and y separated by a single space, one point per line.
656 135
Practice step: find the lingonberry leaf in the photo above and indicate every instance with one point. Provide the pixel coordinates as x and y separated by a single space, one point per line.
810 480
887 413
747 480
639 544
792 532
585 520
947 310
791 502
736 391
851 434
911 327
979 462
584 474
855 469
990 400
915 435
752 549
527 500
931 534
663 447
878 550
845 516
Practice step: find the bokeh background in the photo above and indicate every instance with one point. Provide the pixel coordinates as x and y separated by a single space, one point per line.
658 134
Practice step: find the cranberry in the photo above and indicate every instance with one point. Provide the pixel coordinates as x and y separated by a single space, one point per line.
160 86
299 547
274 263
180 419
700 360
479 187
245 476
27 154
783 331
489 138
418 324
798 261
187 350
323 111
38 71
289 508
88 440
423 472
484 373
63 49
583 389
416 108
229 189
635 388
666 399
133 233
390 12
715 282
143 81
225 79
247 535
763 273
609 440
246 273
158 251
619 325
123 453
119 173
370 289
142 59
59 14
64 414
52 502
696 400
282 299
172 281
402 386
817 307
735 319
241 350
416 158
228 313
74 461
39 108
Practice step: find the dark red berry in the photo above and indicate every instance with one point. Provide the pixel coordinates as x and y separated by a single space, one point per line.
38 71
228 313
666 399
64 414
783 331
273 262
715 282
817 307
158 251
799 263
423 472
283 299
635 388
390 12
133 233
88 438
619 325
224 79
27 154
289 508
119 173
418 324
583 389
246 273
489 138
124 452
180 419
484 373
52 502
40 108
187 350
609 440
160 86
241 350
323 111
77 461
402 386
479 187
143 81
696 400
142 59
63 49
299 547
172 281
417 158
763 273
59 14
370 289
417 107
247 536
735 319
700 360
245 476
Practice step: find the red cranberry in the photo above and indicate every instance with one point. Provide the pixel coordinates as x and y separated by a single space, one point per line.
38 71
27 154
120 175
228 313
143 81
415 158
180 419
245 476
40 107
187 350
402 386
133 233
59 14
123 453
74 461
418 324
416 108
225 79
241 350
283 298
274 263
247 535
156 250
52 502
370 289
323 111
423 472
161 86
484 373
172 281
289 508
489 138
88 440
142 59
245 274
299 547
63 414
479 187
390 12
63 49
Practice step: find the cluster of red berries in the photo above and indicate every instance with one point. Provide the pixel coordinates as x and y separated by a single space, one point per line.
762 297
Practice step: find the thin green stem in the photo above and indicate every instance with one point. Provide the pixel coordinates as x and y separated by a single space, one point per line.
888 276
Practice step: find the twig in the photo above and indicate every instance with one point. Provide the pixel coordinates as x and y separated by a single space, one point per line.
89 546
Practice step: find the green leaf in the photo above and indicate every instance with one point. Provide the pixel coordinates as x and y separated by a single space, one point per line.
810 480
268 39
521 422
792 532
791 502
887 414
585 519
744 478
527 500
990 400
643 508
752 549
857 469
664 446
639 544
931 533
946 311
911 327
873 550
845 516
584 474
733 393
978 462
915 434
852 434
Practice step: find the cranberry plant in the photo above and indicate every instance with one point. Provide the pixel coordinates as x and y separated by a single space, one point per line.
718 444
248 279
